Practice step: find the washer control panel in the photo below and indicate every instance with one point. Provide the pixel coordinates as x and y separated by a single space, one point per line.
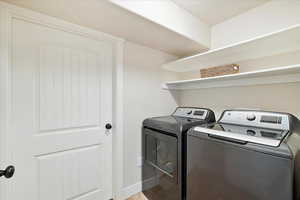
196 113
256 119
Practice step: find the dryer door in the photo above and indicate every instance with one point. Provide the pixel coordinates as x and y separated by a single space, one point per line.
160 167
161 153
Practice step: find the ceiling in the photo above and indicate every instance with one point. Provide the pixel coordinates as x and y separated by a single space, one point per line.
216 11
104 16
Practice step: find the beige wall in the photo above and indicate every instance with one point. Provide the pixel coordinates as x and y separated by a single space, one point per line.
143 98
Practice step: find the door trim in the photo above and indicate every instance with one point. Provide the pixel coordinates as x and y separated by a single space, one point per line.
118 113
9 12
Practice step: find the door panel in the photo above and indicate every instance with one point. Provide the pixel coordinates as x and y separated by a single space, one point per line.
61 101
74 173
68 96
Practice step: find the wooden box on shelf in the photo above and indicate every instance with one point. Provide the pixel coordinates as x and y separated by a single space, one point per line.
219 70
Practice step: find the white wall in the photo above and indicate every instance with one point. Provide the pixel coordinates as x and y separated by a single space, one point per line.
278 97
269 17
143 98
173 17
292 58
143 77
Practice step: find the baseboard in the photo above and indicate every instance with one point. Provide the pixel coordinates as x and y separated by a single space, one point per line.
136 188
131 190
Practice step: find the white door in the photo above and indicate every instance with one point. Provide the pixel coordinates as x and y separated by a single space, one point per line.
61 100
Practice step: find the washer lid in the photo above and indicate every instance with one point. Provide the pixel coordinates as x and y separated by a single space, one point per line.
245 134
172 124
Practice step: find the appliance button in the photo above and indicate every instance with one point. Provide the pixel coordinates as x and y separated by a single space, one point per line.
251 132
251 117
190 112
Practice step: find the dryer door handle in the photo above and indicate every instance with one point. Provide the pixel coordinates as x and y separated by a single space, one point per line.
161 170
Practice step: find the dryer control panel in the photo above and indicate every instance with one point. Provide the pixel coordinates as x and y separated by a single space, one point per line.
261 119
196 113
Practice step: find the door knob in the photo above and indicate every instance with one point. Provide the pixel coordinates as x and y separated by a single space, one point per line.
108 126
8 172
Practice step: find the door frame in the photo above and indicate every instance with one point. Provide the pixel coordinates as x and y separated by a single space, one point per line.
9 12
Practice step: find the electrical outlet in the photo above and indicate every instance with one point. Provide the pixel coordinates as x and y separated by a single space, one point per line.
139 161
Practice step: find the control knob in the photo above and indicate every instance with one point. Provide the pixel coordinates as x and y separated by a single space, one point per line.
251 117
